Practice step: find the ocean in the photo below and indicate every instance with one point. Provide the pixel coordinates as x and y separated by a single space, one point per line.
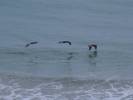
52 71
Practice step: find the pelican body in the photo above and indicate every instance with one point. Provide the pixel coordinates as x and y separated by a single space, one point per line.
66 42
92 46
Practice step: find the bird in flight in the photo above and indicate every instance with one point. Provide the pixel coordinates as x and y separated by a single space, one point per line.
31 43
68 42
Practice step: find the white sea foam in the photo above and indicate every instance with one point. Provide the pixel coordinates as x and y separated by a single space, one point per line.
30 88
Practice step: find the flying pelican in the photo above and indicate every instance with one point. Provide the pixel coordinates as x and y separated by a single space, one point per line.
31 43
66 42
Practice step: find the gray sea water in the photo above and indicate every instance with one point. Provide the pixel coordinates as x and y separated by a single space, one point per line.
52 71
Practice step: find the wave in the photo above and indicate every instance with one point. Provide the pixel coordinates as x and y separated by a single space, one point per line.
35 88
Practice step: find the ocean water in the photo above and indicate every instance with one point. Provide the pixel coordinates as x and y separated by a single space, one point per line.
52 71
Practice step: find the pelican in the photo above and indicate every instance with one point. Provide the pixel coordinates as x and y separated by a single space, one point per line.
66 42
31 43
92 46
